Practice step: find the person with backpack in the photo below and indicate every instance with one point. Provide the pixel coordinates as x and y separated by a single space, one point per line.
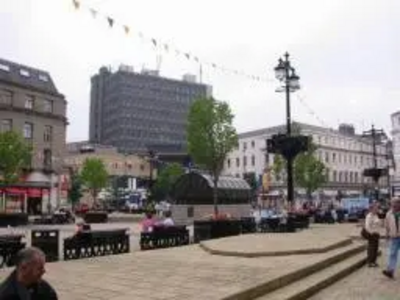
392 224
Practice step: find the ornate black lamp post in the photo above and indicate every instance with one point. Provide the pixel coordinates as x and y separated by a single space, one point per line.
286 74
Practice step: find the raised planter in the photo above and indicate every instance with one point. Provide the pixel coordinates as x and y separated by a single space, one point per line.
213 229
9 247
96 217
164 237
13 219
96 243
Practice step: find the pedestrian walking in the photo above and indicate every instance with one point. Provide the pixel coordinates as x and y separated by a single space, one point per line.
392 224
373 226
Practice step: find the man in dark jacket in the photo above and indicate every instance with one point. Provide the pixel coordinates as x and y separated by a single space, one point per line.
25 282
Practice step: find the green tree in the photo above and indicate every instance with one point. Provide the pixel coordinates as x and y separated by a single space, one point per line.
309 172
75 191
165 179
251 179
94 176
15 155
211 136
278 167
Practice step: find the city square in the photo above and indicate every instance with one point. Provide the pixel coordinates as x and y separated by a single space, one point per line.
166 151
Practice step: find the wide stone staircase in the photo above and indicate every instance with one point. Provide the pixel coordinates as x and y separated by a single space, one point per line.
308 281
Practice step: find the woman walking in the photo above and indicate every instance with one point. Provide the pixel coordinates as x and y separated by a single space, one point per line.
373 225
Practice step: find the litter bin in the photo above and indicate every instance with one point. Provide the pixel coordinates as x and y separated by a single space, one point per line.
47 241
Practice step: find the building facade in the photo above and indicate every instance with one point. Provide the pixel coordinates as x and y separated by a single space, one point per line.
31 105
133 111
345 154
117 164
395 117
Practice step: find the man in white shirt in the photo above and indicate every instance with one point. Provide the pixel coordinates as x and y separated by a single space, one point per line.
168 219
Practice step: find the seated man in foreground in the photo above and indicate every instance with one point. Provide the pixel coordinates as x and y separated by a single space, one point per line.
25 282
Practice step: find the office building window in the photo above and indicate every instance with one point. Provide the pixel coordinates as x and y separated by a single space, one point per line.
43 77
48 106
6 97
29 102
238 162
28 130
253 144
253 160
24 73
327 157
244 146
4 67
48 133
334 176
244 161
6 125
229 163
333 157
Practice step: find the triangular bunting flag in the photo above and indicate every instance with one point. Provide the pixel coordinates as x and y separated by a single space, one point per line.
213 65
93 12
126 29
76 4
196 58
110 21
187 55
166 47
154 42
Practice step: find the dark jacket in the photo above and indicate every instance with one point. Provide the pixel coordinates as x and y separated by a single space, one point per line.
10 289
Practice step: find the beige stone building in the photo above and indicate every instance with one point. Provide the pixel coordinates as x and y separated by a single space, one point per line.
117 164
31 105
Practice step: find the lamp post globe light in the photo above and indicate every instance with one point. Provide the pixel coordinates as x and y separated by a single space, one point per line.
286 74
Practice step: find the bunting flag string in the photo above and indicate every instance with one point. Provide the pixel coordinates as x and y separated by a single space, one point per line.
311 111
167 47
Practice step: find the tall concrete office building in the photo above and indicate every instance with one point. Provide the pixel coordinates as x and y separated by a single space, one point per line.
136 111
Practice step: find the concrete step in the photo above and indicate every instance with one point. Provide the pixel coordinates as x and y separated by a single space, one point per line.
310 285
327 260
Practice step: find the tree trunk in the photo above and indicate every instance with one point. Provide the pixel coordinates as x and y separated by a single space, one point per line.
94 195
215 195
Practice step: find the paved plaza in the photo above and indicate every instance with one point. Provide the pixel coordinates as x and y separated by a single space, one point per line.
191 273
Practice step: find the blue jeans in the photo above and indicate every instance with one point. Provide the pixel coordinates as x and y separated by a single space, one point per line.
393 253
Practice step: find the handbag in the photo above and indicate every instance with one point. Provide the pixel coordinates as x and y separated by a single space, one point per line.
365 234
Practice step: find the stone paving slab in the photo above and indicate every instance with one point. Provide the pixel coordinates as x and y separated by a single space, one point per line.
365 284
318 239
174 273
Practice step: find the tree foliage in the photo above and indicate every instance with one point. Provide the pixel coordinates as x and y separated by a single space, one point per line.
75 191
94 176
211 136
15 155
309 172
165 179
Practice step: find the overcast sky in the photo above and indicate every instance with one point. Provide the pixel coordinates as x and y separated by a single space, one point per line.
344 52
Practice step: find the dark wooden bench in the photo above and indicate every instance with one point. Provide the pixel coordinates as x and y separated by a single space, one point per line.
164 237
96 243
9 247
